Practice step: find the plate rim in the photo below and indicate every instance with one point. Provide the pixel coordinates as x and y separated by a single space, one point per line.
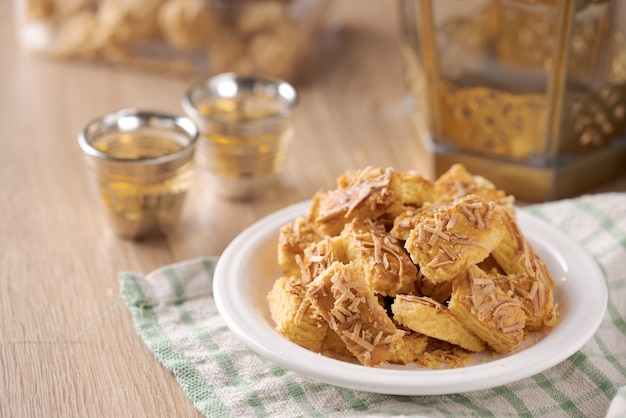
413 381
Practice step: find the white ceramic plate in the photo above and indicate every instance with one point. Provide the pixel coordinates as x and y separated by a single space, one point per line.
248 268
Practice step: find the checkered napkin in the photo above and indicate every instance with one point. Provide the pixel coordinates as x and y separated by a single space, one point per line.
175 315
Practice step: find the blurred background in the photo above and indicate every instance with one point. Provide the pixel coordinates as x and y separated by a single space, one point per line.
530 93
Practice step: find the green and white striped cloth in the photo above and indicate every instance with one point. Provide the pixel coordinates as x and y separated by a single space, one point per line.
175 315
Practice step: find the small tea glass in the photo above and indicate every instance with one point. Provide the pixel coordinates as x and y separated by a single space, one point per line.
141 163
246 126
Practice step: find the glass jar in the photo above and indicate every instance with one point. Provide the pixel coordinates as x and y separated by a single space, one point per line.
529 93
273 37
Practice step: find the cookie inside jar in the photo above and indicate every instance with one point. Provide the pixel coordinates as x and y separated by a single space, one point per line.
276 38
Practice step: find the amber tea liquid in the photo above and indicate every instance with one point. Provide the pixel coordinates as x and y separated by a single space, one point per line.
139 194
248 136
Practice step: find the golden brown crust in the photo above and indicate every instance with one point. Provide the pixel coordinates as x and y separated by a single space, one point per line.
414 190
345 301
457 182
447 240
403 224
529 276
442 355
493 314
294 316
363 194
293 239
318 256
440 292
428 317
413 348
333 346
385 265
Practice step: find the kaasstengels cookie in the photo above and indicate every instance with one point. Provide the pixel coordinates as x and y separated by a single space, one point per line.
342 297
493 314
384 264
447 240
425 316
529 276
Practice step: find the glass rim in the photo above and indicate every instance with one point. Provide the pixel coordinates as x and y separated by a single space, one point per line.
132 120
210 87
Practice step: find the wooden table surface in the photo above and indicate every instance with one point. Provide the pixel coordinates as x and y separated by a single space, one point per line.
68 346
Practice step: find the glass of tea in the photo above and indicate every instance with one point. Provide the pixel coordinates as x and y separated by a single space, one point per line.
142 164
245 125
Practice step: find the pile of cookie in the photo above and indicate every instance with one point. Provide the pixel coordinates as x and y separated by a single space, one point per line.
270 37
391 267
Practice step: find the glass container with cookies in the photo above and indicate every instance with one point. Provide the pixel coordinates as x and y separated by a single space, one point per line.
530 93
181 37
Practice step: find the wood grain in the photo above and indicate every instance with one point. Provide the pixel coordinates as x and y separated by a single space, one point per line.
67 344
